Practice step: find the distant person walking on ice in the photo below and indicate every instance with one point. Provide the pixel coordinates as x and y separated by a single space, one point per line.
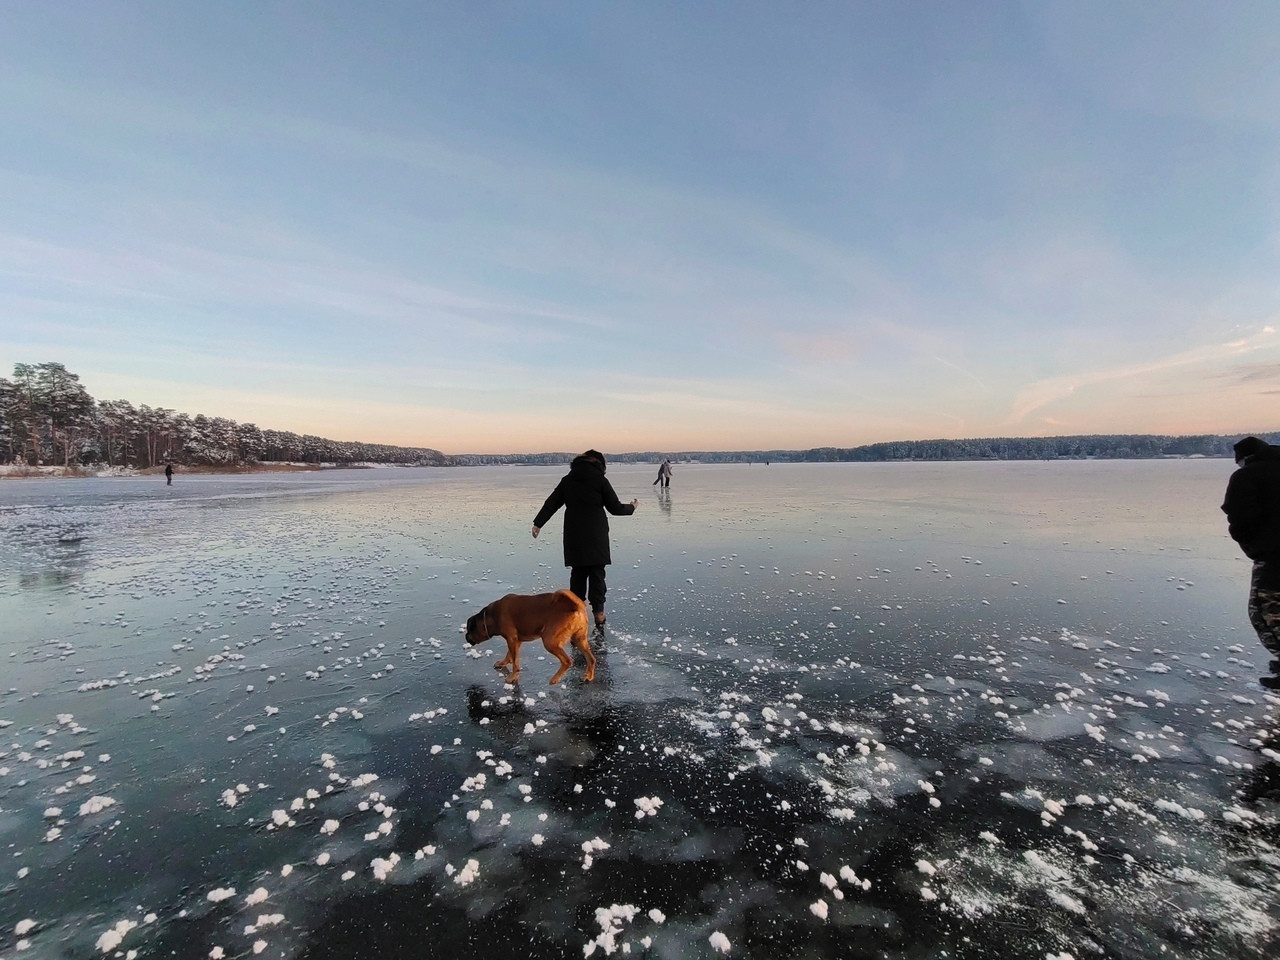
1252 506
664 474
586 495
168 474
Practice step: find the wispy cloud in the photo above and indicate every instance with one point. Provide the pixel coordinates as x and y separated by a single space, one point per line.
1260 374
1036 396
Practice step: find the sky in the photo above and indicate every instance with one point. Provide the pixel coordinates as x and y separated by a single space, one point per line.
499 227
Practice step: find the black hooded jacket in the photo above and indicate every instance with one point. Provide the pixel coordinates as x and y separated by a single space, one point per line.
1252 504
586 495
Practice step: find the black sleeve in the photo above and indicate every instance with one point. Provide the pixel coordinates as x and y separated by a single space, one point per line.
554 503
613 504
1243 507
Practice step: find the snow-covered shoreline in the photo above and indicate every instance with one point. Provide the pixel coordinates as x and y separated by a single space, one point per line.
22 471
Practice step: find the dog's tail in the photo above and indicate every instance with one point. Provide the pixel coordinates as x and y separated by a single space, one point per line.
568 601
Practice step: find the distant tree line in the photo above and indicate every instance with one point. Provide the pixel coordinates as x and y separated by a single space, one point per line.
47 417
1088 447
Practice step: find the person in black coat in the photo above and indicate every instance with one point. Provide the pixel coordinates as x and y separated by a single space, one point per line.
586 495
1252 506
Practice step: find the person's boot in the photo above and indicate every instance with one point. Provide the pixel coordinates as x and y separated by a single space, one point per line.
1270 683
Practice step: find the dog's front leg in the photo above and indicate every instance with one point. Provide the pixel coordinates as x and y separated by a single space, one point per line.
512 658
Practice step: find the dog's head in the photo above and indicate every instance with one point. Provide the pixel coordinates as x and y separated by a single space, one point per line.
478 627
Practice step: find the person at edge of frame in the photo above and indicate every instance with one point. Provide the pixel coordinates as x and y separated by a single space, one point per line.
1252 506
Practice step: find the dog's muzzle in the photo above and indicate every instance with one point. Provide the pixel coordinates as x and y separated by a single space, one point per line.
473 631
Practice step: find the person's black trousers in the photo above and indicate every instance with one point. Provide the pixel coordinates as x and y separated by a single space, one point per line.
588 584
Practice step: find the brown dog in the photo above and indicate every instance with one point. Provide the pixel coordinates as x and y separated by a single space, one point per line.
555 617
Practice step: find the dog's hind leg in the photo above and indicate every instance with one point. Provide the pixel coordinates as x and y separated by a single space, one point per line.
582 643
555 647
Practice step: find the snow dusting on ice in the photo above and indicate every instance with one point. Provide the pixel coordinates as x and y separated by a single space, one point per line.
838 711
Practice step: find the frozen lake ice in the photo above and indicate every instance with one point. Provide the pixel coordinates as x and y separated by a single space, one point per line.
846 710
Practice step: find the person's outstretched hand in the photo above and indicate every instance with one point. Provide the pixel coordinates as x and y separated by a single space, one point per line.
536 531
635 503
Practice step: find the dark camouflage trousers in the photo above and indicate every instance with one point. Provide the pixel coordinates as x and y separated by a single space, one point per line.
1264 605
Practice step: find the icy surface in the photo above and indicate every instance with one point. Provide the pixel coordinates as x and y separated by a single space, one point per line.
990 710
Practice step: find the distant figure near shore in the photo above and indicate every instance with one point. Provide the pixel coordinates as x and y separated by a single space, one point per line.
586 495
168 474
1252 506
664 474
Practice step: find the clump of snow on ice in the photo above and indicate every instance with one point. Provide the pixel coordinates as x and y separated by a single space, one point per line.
468 873
265 920
611 920
851 878
112 939
719 942
1044 866
383 867
591 847
95 805
1187 813
1066 901
647 806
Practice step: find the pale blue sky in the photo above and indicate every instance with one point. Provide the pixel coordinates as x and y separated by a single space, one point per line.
491 227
